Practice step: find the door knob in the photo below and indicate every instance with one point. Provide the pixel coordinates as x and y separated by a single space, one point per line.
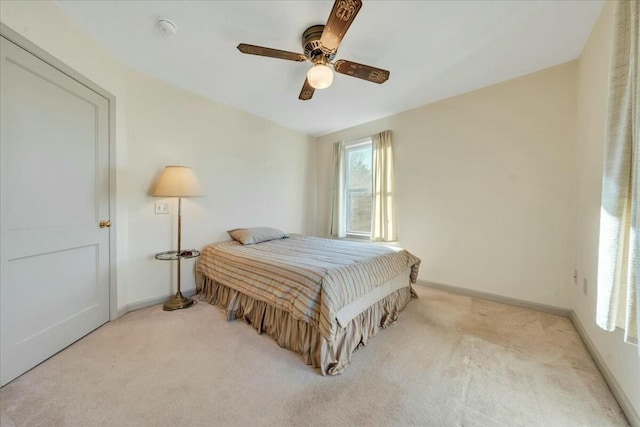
105 223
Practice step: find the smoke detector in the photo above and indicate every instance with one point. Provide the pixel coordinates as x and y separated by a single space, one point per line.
167 26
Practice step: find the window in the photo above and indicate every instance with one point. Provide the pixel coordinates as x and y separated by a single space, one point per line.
358 188
363 189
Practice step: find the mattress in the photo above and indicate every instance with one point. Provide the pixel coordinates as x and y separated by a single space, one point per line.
323 282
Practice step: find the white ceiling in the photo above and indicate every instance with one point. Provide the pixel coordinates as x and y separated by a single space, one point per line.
434 50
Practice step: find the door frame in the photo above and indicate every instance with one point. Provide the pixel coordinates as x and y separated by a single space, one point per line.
43 55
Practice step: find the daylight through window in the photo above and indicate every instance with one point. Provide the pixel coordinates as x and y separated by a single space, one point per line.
358 188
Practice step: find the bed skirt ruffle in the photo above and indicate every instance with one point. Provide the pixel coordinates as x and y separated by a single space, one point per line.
331 357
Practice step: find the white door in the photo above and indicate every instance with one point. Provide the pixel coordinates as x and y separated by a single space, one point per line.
54 182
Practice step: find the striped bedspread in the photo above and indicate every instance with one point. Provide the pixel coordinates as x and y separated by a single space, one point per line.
310 277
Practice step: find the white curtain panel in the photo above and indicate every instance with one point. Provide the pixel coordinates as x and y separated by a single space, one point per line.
618 267
337 225
383 227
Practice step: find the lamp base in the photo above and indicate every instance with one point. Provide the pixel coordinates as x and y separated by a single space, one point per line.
177 302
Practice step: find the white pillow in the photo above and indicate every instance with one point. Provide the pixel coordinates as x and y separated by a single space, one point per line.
249 236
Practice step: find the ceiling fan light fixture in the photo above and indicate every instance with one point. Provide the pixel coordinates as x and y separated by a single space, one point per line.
320 44
320 76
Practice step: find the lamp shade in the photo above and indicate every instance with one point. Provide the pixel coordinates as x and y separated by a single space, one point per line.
177 181
320 76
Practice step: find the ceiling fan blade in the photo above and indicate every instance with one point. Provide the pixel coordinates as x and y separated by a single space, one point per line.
361 71
342 15
307 91
271 53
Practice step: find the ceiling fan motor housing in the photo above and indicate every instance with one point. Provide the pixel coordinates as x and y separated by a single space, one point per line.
320 44
311 44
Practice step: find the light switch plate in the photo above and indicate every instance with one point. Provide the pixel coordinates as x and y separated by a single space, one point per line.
162 207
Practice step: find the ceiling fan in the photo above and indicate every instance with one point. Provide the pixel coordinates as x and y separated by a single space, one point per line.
320 44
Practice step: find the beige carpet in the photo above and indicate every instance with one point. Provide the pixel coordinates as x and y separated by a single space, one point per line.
449 360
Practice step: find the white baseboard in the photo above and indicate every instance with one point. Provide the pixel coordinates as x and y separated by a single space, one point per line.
558 311
616 390
621 397
149 302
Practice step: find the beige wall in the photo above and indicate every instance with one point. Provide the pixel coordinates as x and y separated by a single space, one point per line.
484 186
620 358
253 172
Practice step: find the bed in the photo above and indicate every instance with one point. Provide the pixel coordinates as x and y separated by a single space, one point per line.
322 298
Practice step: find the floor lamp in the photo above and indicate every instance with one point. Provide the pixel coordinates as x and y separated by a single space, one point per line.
178 181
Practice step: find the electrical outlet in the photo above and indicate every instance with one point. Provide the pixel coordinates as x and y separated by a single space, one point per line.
162 207
575 277
584 286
